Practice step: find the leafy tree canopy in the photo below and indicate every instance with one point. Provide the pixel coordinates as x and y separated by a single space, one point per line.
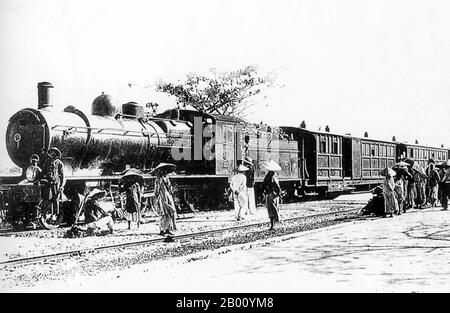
219 92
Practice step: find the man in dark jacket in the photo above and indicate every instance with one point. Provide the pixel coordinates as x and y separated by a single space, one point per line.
53 172
250 174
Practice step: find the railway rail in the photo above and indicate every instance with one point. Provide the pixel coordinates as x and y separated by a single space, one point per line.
84 252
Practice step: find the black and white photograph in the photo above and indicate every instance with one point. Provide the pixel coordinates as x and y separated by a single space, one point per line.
224 151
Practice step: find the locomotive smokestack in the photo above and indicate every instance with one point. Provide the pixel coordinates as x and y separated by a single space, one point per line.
44 95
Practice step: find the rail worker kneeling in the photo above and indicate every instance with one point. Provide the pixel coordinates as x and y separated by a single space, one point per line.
95 217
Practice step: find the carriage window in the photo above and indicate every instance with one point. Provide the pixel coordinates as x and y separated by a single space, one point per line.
323 144
373 150
224 133
227 133
335 146
247 138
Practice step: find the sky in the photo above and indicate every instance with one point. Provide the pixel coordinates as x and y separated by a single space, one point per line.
381 66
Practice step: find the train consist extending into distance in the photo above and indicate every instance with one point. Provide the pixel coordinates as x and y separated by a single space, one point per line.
206 148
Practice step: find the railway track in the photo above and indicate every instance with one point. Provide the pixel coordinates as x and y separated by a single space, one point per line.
84 252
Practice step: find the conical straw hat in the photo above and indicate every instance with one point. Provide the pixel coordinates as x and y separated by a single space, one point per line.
271 166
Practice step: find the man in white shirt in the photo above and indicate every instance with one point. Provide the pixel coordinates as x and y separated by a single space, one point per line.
238 186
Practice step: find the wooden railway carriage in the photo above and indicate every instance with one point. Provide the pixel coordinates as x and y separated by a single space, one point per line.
366 158
320 159
421 154
235 139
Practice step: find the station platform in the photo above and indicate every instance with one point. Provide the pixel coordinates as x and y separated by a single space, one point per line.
407 253
41 242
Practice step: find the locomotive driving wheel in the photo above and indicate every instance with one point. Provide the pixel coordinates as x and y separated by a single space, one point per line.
47 218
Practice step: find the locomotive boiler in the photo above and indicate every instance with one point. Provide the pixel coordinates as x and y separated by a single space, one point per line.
104 139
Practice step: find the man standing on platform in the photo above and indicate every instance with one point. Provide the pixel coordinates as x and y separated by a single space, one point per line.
445 183
53 171
250 174
238 186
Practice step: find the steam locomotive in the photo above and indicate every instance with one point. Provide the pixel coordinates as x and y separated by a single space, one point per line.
206 148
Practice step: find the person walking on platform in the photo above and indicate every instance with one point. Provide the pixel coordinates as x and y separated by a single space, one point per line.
165 205
420 180
272 191
250 175
238 186
445 180
410 190
433 180
441 183
390 201
399 192
131 183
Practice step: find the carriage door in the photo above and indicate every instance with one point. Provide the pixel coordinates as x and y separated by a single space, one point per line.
356 158
239 152
225 149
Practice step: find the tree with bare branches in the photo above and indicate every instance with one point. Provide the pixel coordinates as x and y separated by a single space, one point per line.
225 93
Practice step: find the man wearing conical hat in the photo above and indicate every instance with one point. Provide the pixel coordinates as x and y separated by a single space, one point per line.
433 180
445 185
95 217
238 186
165 205
390 201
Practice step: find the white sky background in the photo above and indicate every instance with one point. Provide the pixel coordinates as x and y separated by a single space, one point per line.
356 65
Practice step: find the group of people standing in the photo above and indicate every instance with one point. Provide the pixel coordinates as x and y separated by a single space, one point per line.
51 176
407 186
97 219
242 188
163 198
